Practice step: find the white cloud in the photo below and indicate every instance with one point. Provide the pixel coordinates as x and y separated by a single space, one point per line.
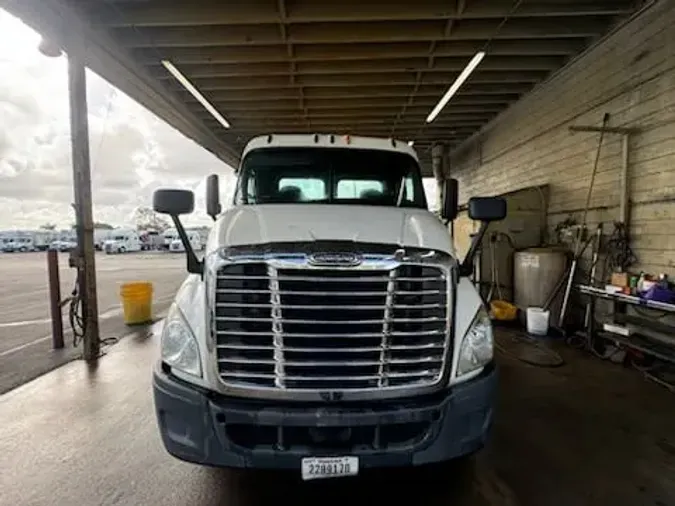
132 151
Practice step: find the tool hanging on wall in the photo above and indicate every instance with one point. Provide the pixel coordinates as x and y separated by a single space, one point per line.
579 240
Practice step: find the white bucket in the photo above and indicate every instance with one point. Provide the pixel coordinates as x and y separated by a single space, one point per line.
537 321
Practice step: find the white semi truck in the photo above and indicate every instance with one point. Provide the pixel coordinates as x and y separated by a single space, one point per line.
329 326
122 241
195 239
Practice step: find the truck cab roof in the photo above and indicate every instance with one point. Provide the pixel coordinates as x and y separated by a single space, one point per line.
329 141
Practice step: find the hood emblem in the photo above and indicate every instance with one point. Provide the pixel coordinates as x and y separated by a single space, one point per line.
335 259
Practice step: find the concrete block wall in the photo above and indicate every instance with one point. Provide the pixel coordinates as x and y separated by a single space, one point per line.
630 75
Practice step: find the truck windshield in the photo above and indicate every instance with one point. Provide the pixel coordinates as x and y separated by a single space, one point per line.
330 176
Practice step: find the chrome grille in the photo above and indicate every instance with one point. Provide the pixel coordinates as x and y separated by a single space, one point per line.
336 329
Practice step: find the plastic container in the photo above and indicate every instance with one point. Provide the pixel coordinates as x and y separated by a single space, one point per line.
536 273
137 302
503 311
537 321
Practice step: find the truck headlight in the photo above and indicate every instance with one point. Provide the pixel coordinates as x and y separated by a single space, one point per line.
179 346
477 347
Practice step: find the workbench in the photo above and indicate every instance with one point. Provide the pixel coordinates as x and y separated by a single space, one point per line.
652 336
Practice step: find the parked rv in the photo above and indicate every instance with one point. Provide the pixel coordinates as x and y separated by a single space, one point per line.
18 242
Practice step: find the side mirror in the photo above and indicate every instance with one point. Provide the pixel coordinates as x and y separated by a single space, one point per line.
450 196
487 209
213 207
173 202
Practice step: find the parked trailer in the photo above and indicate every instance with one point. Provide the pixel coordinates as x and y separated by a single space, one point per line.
151 240
22 241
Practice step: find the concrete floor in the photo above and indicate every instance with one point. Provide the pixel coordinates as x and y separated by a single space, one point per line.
586 433
25 328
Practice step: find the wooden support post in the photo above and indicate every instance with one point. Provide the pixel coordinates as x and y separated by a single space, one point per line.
55 299
624 189
79 131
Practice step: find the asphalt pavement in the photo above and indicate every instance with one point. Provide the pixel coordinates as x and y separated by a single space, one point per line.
89 436
25 325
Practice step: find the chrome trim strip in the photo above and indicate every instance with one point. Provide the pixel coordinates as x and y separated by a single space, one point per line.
381 279
328 363
422 333
330 294
324 307
262 375
277 328
386 329
274 319
360 349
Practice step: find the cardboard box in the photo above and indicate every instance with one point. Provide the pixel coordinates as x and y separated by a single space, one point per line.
621 279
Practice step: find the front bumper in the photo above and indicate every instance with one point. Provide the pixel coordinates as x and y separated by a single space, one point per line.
206 428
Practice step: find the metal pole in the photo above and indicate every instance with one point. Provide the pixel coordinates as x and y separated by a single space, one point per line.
591 277
582 228
437 159
55 299
79 131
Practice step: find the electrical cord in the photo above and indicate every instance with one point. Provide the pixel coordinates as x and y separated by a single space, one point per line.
538 354
619 255
76 318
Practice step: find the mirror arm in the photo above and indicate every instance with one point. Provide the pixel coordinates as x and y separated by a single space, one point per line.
194 266
466 267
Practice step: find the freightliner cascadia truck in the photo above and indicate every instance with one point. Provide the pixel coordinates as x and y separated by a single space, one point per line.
328 327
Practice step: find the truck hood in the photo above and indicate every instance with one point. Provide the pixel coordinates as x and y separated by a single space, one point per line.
274 223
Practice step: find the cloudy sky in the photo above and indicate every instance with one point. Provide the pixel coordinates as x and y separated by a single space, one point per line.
132 151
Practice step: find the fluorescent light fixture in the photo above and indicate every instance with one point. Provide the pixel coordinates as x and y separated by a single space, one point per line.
194 92
456 85
410 143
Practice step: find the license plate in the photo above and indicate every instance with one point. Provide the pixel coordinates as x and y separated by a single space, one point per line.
314 468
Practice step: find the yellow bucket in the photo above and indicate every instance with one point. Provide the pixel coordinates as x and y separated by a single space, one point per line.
137 302
502 310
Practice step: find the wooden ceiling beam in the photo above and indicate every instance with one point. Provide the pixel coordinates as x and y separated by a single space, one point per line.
356 33
196 70
460 112
363 91
204 13
336 53
375 79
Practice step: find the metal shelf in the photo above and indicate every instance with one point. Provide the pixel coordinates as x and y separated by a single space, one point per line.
642 344
626 299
